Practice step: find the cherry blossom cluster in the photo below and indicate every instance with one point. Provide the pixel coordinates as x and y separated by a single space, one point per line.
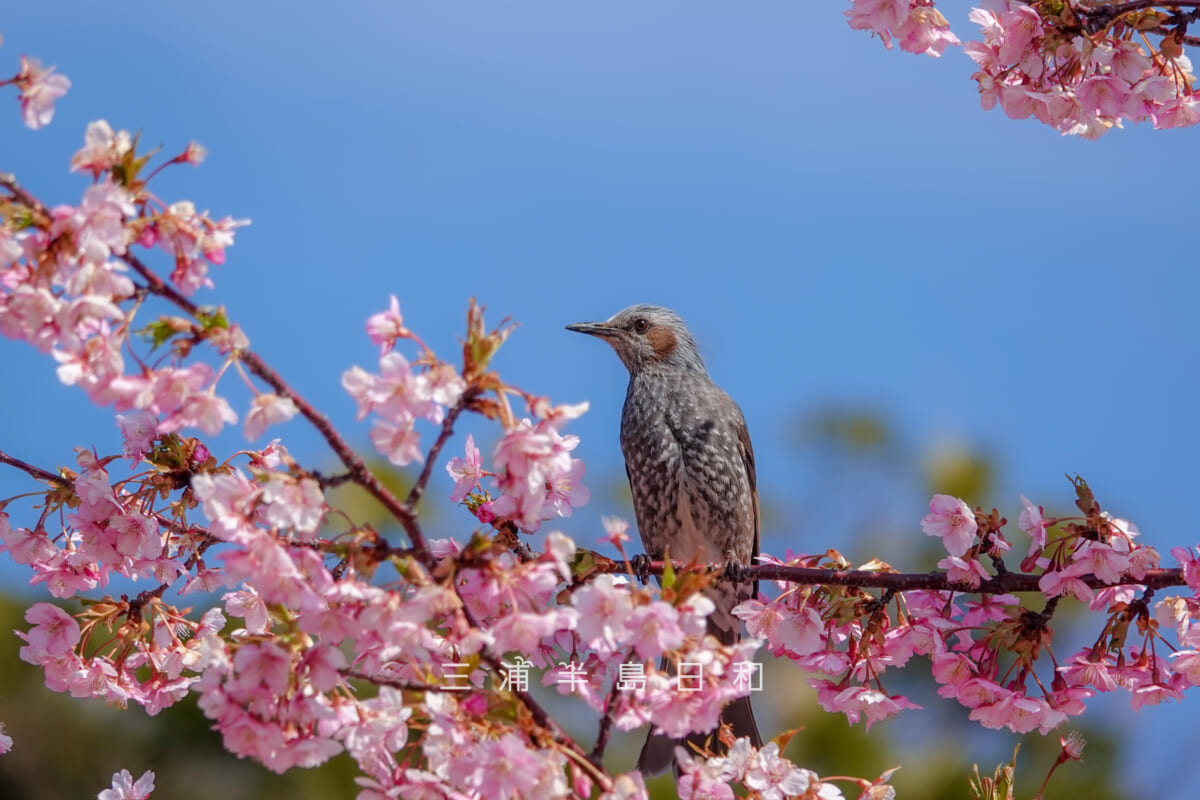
398 395
1081 68
536 477
990 652
39 88
111 531
1034 61
69 287
763 771
916 25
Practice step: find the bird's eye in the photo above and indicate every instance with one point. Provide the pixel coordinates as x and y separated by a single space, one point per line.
641 325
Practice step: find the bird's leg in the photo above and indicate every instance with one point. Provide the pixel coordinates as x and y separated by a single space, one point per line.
734 571
641 567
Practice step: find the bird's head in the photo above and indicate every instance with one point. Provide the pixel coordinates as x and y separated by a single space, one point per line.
647 338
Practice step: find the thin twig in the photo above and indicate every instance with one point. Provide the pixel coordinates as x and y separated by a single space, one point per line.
34 472
597 754
418 488
9 181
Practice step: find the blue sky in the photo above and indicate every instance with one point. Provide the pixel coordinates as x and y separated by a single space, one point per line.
840 224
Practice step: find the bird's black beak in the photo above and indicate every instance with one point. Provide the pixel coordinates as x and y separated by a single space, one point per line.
593 329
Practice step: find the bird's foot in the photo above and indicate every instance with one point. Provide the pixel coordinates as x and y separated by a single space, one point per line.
640 564
734 572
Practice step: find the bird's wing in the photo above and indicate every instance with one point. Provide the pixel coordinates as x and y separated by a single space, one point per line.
747 451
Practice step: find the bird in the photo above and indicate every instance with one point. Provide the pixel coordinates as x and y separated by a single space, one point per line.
691 471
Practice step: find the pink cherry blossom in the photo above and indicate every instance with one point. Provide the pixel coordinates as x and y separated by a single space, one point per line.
40 88
386 327
919 27
399 443
247 603
858 701
23 545
953 521
1190 565
195 241
466 471
566 492
925 32
399 393
295 505
268 409
1102 560
878 16
55 632
103 149
124 787
139 429
616 531
523 632
788 629
204 410
194 154
653 629
98 224
1091 670
967 571
1032 523
1067 581
604 608
536 474
774 777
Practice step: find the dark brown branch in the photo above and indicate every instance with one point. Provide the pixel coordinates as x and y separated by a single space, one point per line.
330 481
897 581
1099 17
418 488
1113 10
34 472
138 603
9 181
597 754
1192 41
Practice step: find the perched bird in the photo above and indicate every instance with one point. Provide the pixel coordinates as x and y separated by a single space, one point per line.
691 470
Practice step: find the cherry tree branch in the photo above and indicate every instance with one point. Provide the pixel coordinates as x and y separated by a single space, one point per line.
1005 583
418 488
34 472
1117 9
606 722
357 469
1098 17
9 181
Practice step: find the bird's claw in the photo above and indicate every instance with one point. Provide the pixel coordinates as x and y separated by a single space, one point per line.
734 572
640 564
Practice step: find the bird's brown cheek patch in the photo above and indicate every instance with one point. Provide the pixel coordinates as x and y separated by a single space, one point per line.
663 341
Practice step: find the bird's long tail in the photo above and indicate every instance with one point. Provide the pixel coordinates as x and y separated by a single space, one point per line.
658 753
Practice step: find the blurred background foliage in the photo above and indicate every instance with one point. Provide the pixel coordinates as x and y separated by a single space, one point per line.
854 472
